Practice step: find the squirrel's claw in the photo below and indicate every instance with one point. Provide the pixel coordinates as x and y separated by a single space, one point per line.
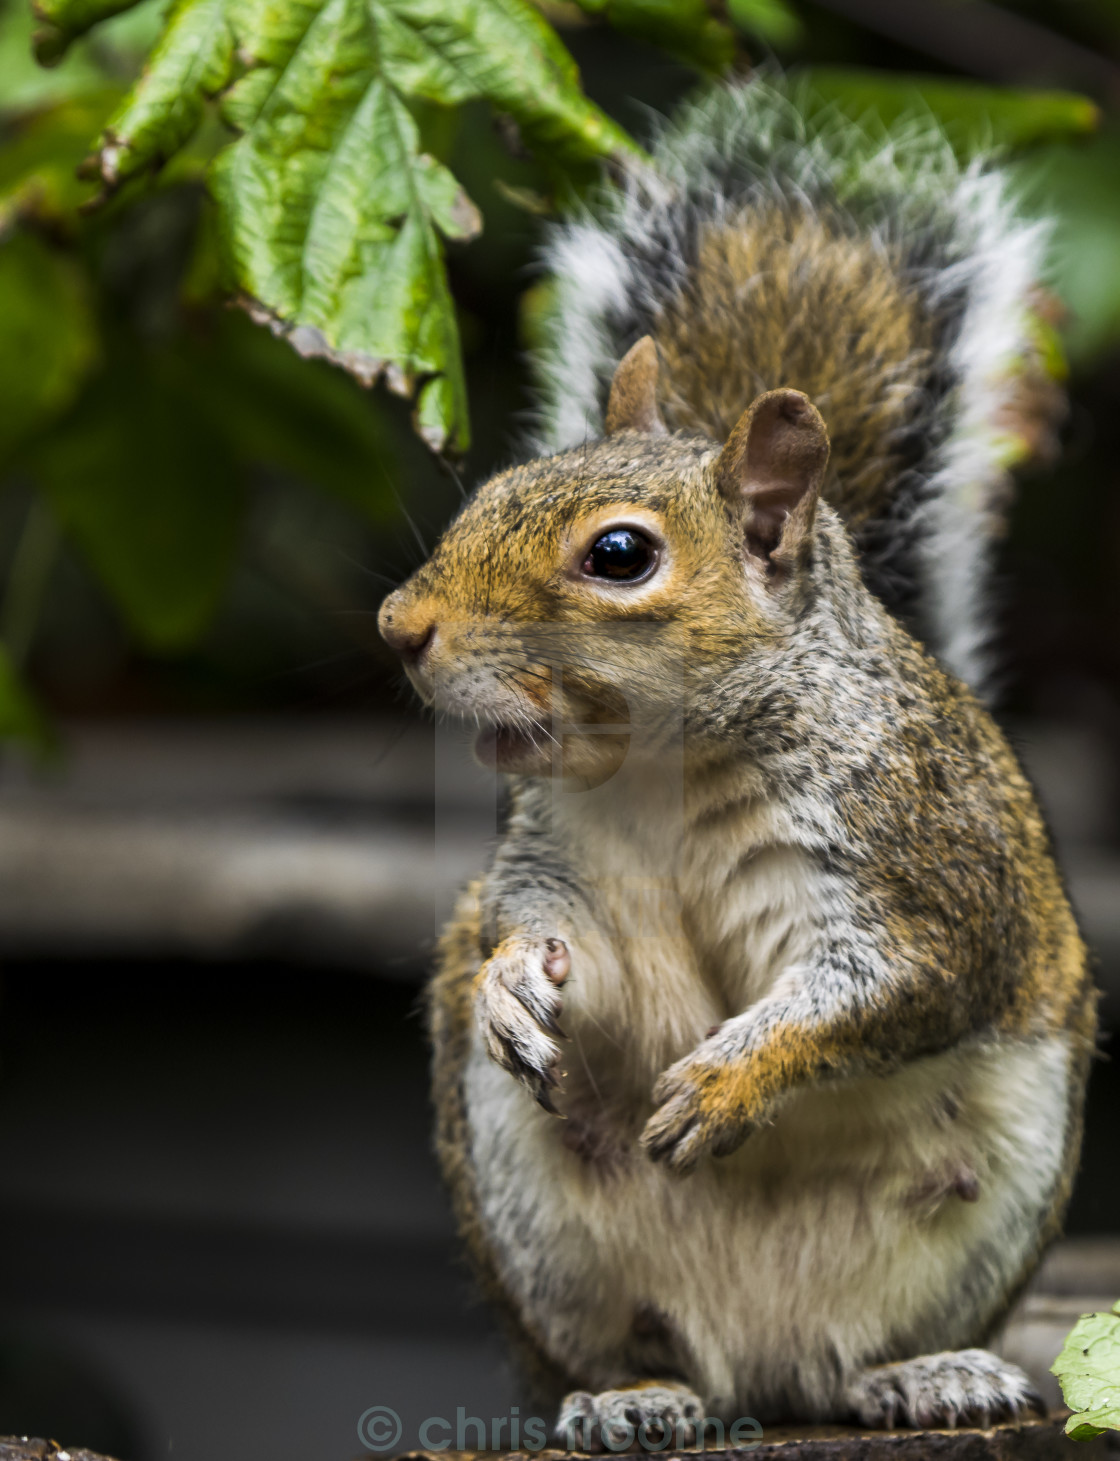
545 1018
692 1118
517 1001
544 1100
672 1135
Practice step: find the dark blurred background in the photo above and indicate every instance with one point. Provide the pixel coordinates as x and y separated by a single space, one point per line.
221 1230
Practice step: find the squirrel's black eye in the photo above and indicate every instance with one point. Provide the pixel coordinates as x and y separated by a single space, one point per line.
622 554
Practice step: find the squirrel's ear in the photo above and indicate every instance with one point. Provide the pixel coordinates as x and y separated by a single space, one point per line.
633 400
772 468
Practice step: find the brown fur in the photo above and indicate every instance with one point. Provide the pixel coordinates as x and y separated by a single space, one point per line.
755 655
763 310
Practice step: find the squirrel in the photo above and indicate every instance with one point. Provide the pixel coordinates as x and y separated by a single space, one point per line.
760 1049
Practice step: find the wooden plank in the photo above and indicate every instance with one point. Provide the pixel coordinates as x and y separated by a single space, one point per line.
1032 1440
24 1448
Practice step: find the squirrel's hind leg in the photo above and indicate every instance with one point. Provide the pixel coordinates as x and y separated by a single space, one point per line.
942 1391
669 1411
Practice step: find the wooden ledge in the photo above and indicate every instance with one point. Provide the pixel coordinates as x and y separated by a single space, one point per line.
30 1448
1032 1440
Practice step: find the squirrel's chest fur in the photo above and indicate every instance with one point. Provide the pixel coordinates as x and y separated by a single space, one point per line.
848 1213
704 893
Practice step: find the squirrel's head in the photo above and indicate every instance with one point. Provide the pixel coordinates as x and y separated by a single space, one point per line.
585 597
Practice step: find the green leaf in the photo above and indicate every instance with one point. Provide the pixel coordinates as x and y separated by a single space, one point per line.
972 115
684 28
334 216
193 60
48 341
772 20
367 288
21 719
145 485
1088 1369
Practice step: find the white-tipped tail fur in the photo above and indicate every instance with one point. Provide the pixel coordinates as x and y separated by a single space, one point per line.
962 263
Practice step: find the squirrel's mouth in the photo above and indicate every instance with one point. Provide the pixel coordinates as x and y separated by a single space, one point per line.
524 749
534 749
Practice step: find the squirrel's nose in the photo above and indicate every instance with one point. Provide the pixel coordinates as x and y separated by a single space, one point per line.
410 644
407 636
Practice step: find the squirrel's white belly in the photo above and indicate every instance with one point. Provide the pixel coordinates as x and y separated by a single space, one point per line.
874 1216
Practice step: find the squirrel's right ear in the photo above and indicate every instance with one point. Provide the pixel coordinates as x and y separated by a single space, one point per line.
633 400
772 469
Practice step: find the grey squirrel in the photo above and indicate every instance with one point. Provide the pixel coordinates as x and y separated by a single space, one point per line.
759 1050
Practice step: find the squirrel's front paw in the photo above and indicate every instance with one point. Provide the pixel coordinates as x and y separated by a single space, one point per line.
699 1109
517 1006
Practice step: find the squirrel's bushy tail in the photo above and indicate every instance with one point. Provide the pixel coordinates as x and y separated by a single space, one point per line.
772 244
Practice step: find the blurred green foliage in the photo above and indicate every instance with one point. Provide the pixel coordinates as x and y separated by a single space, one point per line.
973 117
48 344
1081 187
330 163
20 718
685 28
